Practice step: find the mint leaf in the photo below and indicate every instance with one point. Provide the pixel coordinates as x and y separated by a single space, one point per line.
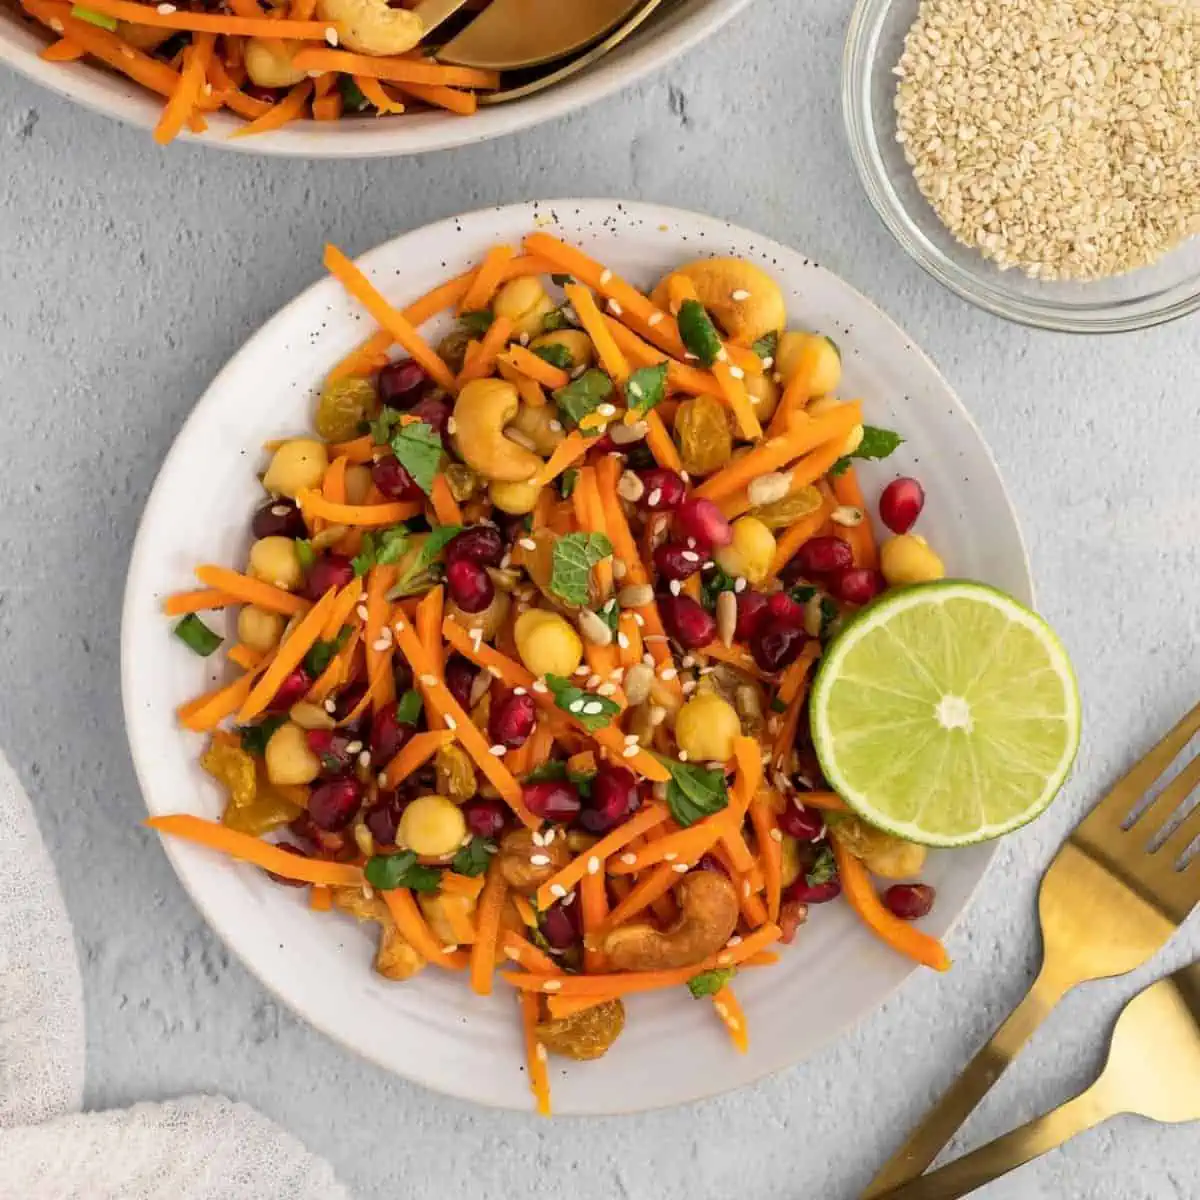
408 707
567 481
709 983
352 98
391 545
474 857
610 614
712 584
419 450
556 354
877 443
553 769
767 345
840 467
697 332
386 872
646 387
476 323
197 636
694 791
574 557
591 711
321 654
305 554
555 320
823 870
364 560
829 614
583 395
419 577
381 428
254 738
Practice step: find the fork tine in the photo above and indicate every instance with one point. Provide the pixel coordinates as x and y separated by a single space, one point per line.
1173 848
1116 806
1159 813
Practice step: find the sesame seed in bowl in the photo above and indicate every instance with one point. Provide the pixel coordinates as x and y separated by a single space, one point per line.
1030 156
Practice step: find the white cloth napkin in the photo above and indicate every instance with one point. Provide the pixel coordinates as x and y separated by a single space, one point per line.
195 1148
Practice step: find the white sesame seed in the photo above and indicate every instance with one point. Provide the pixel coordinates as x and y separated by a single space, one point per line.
519 691
631 751
166 9
539 860
523 339
361 612
451 426
538 839
668 673
380 644
399 626
746 887
593 681
583 672
364 759
735 940
381 779
593 865
689 556
527 544
722 1010
615 308
623 641
576 706
681 868
331 36
607 689
539 1052
776 835
451 723
654 318
497 751
739 294
736 372
670 856
739 584
605 276
629 858
654 497
675 586
557 890
682 756
722 354
538 685
768 362
606 410
592 708
552 985
548 836
329 706
353 747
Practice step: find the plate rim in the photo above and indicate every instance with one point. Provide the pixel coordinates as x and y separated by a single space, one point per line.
179 852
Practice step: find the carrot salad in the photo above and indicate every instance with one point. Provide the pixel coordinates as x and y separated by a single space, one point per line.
521 648
271 63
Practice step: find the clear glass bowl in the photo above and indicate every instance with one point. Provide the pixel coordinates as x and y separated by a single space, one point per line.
1149 296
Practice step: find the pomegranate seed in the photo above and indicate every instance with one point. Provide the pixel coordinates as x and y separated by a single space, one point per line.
900 504
664 489
777 644
383 818
402 384
512 720
460 679
804 824
814 893
329 571
909 901
291 691
859 585
394 481
480 544
792 915
388 736
288 848
552 799
614 796
330 746
687 622
334 804
484 816
471 587
434 410
278 518
703 520
784 608
752 608
674 560
824 555
559 926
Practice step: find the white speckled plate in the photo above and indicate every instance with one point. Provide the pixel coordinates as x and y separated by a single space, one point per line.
433 1029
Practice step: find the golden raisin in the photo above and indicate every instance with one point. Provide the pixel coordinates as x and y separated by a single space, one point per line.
584 1035
703 433
455 773
344 405
235 769
781 513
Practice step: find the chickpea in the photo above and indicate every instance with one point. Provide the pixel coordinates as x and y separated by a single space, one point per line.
824 404
907 558
274 560
576 343
289 759
525 303
432 826
547 643
516 499
819 355
541 426
751 552
259 629
764 395
358 484
297 465
705 728
893 858
269 63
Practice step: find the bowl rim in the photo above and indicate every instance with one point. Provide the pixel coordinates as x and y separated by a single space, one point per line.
858 60
180 853
83 83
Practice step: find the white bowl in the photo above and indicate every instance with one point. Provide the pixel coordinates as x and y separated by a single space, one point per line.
665 36
433 1029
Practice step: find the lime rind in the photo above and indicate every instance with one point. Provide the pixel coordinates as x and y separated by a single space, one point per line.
900 770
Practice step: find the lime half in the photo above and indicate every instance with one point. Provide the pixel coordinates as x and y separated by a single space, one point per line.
946 714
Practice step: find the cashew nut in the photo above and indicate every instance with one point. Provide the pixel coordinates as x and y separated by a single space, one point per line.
708 915
371 26
395 958
483 408
745 301
584 1035
517 852
269 63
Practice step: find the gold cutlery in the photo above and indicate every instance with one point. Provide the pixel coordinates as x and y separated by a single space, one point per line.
1107 904
1153 1070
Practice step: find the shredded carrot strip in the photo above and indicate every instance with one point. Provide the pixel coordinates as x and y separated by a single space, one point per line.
199 600
530 390
570 450
680 376
428 620
861 537
327 108
451 99
658 438
254 850
338 671
657 883
394 70
535 1053
487 930
628 628
341 609
379 649
769 852
245 657
320 898
483 361
415 930
565 880
64 50
536 368
250 591
735 656
209 710
805 471
795 536
682 846
726 1006
145 14
288 109
527 955
402 331
416 753
461 885
786 737
357 452
377 95
612 360
593 908
487 279
313 504
827 801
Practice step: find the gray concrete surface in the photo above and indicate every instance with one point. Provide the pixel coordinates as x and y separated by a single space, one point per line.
128 275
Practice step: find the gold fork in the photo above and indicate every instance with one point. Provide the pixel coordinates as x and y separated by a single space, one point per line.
1107 904
1153 1070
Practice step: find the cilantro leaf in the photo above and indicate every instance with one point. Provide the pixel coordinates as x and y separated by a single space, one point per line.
574 557
697 332
709 983
767 345
387 546
556 354
352 98
566 483
583 395
381 428
610 615
419 450
553 769
476 323
305 554
321 654
419 576
591 711
646 387
694 791
829 614
555 320
823 870
840 467
254 738
877 443
197 636
408 707
364 560
474 857
712 584
386 872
